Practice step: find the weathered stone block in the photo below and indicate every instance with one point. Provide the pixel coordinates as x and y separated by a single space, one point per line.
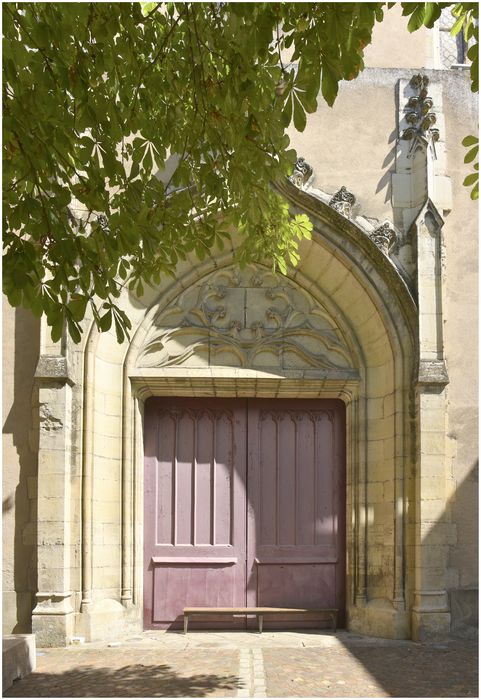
53 630
464 605
432 443
430 626
18 658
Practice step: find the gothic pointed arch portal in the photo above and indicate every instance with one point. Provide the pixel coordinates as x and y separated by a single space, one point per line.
245 497
332 329
342 326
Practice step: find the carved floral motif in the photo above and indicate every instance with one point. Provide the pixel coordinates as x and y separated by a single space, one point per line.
250 319
343 201
297 416
302 173
384 237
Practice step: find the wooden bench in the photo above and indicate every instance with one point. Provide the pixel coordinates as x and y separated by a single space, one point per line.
258 612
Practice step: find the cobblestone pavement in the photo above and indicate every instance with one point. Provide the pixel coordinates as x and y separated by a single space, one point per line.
410 670
246 664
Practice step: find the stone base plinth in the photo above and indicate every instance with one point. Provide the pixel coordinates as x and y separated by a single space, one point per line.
106 620
53 619
430 626
53 630
378 618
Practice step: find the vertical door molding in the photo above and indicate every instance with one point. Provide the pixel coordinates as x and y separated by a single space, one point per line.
127 481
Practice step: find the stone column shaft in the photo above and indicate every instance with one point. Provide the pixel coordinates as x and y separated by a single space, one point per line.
430 613
52 619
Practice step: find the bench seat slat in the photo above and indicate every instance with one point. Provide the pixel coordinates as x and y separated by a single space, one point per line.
259 612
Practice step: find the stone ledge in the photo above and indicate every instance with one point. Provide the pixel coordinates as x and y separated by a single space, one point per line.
52 368
432 373
18 657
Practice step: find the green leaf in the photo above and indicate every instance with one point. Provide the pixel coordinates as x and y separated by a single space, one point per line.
119 330
105 321
329 85
458 25
471 155
417 17
432 12
470 179
57 329
287 111
77 307
470 140
74 330
299 115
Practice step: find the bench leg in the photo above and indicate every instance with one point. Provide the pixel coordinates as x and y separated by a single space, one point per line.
261 621
334 621
186 623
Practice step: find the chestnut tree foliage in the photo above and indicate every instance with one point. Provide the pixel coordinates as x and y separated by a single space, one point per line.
99 98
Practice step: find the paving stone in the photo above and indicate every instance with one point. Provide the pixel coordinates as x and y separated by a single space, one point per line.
295 665
132 673
373 671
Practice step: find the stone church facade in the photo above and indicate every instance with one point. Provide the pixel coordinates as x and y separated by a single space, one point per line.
368 346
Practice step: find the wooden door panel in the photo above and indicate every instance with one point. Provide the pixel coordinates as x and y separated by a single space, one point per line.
297 585
194 507
195 585
296 502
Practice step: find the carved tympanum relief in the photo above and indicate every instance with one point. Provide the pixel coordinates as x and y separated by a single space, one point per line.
250 318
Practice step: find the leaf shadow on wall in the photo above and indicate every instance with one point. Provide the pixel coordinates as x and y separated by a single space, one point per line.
388 166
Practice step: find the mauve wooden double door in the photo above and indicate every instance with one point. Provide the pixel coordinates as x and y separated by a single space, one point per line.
244 504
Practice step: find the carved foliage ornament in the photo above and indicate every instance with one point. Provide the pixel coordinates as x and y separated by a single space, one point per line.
343 201
251 319
384 237
418 115
297 416
302 173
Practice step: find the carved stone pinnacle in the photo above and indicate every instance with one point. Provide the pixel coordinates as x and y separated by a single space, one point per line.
418 114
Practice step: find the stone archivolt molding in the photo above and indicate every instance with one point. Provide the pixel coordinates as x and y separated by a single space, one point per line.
252 319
